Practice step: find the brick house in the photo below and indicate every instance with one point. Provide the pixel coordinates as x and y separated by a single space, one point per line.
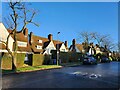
77 47
42 45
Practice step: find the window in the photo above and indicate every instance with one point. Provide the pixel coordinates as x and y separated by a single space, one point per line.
40 41
63 50
22 44
39 47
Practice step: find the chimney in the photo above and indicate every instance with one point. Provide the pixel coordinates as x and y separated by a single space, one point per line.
50 37
25 32
73 42
66 43
31 40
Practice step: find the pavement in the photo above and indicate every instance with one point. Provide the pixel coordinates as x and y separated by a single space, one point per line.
103 75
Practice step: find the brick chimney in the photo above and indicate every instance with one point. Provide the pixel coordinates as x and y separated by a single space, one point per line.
25 32
66 43
50 36
73 42
30 37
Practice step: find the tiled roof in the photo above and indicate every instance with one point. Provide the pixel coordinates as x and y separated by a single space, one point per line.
80 47
44 44
20 36
35 42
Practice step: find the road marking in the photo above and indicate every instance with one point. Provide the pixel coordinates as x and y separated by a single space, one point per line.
92 76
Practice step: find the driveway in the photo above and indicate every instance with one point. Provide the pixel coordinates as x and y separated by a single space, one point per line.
103 75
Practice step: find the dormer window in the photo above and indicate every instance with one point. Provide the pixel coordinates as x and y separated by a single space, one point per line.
39 47
40 41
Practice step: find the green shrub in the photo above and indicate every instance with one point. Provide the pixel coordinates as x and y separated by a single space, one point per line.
64 56
37 59
70 57
20 60
6 62
46 59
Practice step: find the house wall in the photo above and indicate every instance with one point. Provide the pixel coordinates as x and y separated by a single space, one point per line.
77 50
49 48
3 36
63 48
98 51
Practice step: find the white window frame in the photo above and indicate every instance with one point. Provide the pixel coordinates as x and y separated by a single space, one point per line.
22 44
39 47
40 41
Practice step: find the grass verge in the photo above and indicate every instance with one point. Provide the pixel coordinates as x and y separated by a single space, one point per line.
31 68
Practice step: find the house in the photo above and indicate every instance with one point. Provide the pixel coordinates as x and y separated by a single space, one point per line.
98 49
77 47
43 45
91 49
61 46
22 41
3 37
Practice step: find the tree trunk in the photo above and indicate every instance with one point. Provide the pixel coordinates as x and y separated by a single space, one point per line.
13 64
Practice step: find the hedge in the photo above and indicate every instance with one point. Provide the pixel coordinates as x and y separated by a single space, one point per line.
64 56
70 57
6 62
46 59
37 59
20 60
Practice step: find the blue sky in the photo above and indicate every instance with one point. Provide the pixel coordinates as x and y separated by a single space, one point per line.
72 18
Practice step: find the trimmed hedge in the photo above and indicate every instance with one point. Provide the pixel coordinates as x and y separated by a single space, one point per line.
46 59
37 59
70 57
20 60
64 56
6 62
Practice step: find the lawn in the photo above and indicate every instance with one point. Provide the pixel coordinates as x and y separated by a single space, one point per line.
31 68
42 67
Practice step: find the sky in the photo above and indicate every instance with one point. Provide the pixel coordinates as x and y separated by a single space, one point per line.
71 18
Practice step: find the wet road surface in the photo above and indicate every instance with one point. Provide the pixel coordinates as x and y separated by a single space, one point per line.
103 75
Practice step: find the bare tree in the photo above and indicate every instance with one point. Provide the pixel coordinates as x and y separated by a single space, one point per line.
99 38
18 13
108 42
85 37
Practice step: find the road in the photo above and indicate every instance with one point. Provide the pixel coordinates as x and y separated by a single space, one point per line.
103 75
